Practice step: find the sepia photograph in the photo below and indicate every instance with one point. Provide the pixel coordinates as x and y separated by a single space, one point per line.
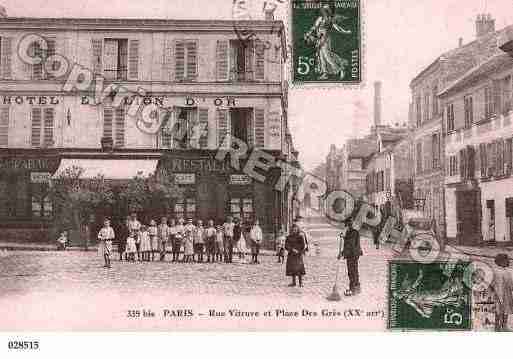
250 165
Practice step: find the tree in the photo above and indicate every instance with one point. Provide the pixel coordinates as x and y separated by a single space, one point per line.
153 195
76 198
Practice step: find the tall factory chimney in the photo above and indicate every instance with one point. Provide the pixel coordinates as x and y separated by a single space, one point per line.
377 104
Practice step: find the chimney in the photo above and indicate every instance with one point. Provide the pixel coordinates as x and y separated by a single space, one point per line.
3 12
460 42
377 104
485 24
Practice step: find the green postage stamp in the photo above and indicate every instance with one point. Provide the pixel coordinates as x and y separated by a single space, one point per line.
430 296
327 41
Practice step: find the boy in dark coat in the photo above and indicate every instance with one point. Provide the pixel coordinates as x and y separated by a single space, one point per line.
295 245
352 252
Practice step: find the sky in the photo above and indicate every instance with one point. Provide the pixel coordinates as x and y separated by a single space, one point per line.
401 37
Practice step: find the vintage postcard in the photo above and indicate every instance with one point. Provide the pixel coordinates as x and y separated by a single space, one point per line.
251 165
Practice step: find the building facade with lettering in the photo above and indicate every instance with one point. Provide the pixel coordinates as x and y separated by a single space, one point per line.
478 150
168 92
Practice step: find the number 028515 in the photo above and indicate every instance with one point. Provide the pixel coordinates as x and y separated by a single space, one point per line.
23 345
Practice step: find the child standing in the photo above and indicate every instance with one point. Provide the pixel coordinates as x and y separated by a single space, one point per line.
106 236
188 246
154 240
62 241
503 292
199 241
144 237
210 241
219 244
280 246
130 247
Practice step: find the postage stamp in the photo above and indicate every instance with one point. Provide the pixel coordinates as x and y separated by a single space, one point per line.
327 42
421 296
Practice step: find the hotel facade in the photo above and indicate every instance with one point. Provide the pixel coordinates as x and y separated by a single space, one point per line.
223 77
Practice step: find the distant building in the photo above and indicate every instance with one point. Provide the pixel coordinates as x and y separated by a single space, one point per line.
478 151
427 114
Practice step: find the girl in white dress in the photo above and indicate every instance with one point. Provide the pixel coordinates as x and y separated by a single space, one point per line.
154 239
130 246
145 243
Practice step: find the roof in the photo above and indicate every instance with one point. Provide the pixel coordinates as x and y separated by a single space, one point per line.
459 60
361 148
497 63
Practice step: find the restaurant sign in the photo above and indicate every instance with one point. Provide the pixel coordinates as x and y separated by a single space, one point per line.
40 177
240 179
185 178
44 164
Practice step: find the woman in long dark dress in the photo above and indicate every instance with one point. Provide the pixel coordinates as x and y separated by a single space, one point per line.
295 245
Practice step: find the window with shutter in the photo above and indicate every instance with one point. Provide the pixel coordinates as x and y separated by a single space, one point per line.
222 65
507 157
419 157
48 126
119 137
471 162
192 60
4 127
50 51
166 134
251 130
506 94
96 56
222 128
249 48
450 117
259 61
488 102
35 50
179 61
492 162
108 116
463 163
133 60
500 158
497 97
259 127
167 62
203 127
35 138
5 57
484 162
469 112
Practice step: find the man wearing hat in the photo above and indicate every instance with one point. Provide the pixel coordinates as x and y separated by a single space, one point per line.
351 252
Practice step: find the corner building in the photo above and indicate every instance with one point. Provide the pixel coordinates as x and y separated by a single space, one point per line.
205 70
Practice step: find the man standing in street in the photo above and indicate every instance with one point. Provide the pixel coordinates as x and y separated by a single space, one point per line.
351 253
228 228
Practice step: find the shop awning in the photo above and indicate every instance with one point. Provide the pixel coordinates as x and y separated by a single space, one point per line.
113 169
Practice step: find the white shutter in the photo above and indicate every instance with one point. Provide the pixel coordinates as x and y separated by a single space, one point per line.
167 61
259 61
35 139
4 126
203 122
251 130
96 56
133 60
6 59
111 60
223 127
50 51
192 60
49 115
222 62
179 60
249 52
107 122
119 138
259 127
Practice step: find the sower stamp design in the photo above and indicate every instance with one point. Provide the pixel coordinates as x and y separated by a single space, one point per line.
422 296
326 41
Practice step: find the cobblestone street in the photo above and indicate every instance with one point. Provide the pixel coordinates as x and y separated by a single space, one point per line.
64 282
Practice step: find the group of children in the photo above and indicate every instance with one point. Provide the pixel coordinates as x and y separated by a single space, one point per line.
216 243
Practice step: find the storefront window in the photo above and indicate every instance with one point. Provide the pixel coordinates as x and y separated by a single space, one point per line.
13 197
242 208
185 208
41 203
